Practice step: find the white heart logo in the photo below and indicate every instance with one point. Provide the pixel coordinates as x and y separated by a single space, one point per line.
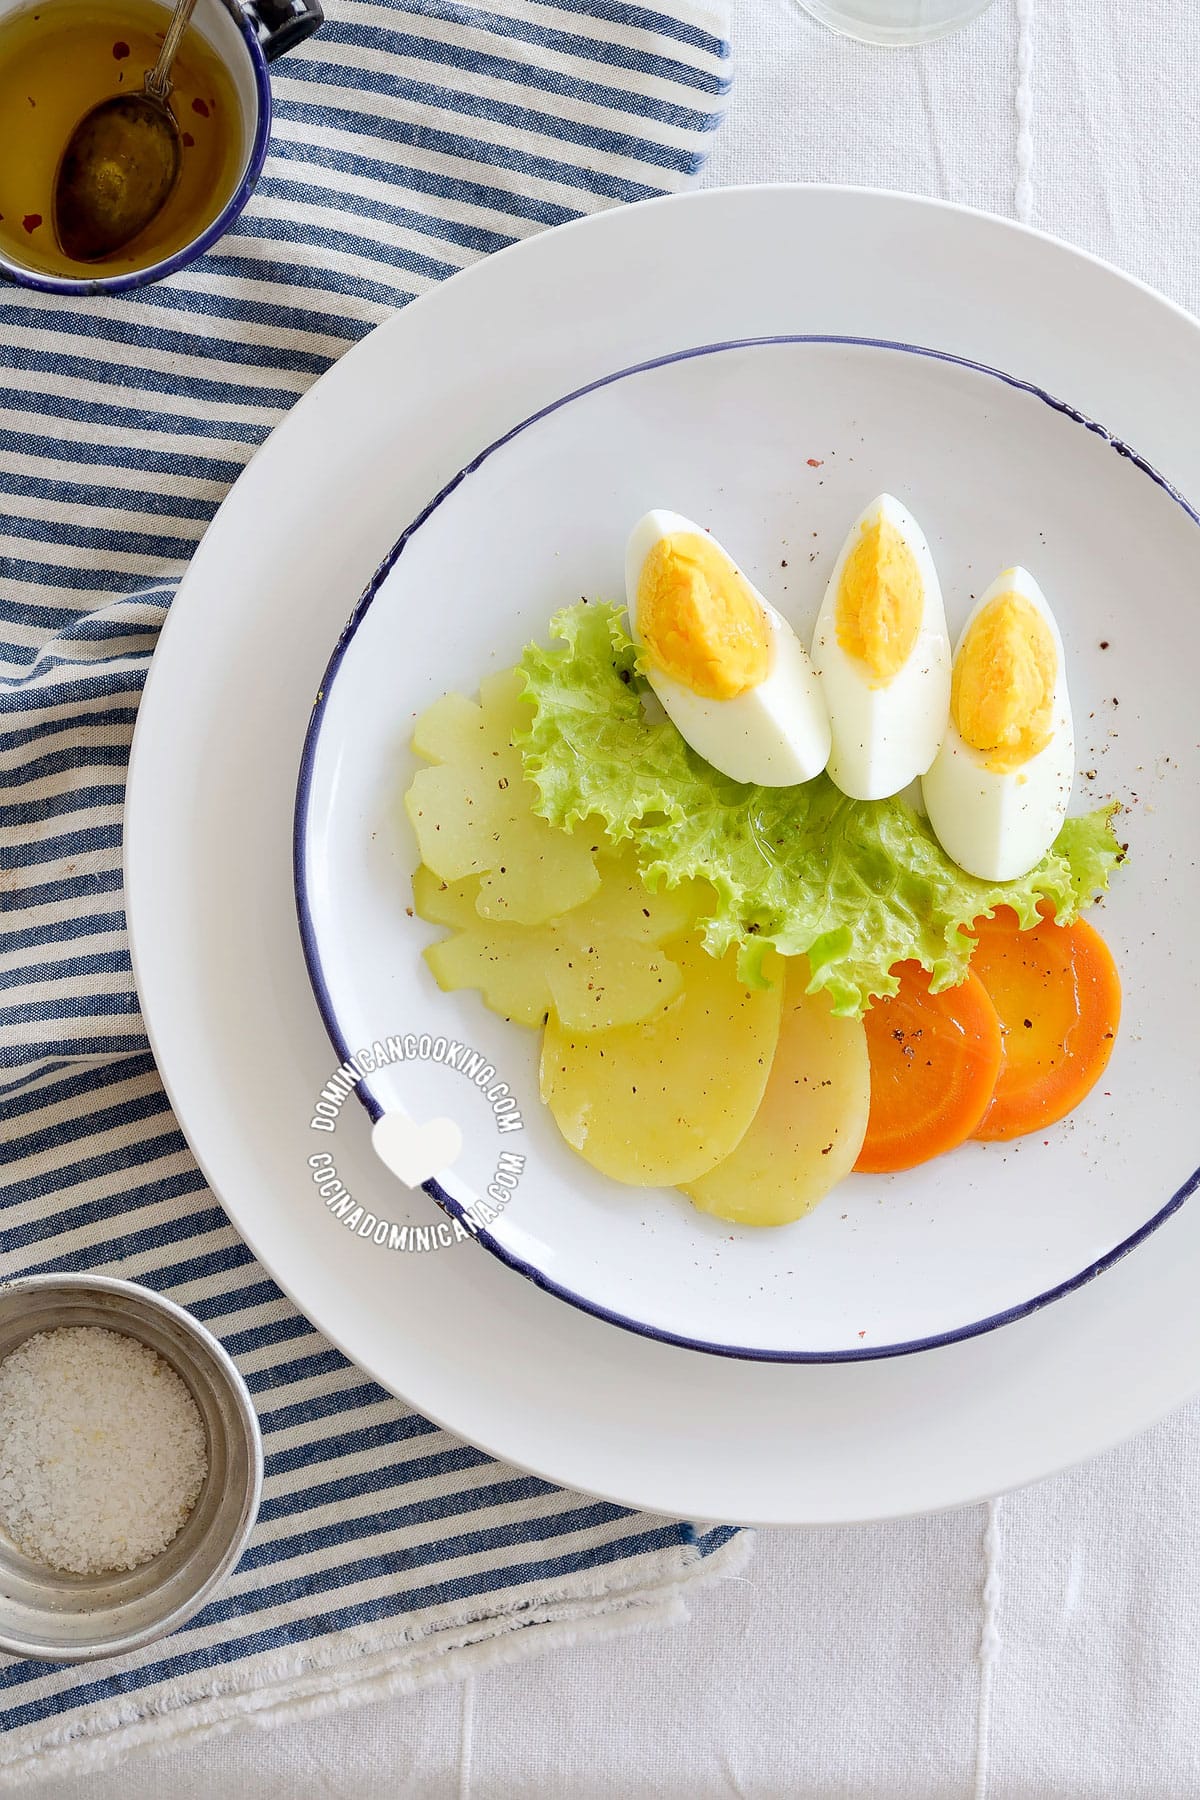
415 1152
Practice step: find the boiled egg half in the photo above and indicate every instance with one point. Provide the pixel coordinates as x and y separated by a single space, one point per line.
999 787
730 672
882 652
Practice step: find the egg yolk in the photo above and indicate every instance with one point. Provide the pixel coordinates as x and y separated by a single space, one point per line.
1002 691
701 621
880 601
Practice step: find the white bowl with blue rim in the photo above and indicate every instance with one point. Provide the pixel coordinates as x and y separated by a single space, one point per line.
777 444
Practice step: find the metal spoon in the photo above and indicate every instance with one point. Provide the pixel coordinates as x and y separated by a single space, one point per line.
121 161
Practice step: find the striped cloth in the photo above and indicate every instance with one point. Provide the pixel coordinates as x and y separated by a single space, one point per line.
410 138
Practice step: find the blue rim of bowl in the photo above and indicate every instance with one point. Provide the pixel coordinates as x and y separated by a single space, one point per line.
171 265
308 934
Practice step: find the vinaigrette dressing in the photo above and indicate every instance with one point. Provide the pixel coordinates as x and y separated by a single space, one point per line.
57 60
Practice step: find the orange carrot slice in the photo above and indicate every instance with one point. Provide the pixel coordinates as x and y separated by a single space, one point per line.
934 1062
1058 995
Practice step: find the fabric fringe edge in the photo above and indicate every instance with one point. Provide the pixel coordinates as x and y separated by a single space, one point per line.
293 1696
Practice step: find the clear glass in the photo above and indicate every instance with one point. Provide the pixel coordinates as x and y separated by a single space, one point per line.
895 21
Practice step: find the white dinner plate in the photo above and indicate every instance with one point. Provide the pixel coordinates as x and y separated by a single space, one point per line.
218 958
777 445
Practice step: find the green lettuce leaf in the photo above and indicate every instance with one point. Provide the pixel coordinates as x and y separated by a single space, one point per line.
856 886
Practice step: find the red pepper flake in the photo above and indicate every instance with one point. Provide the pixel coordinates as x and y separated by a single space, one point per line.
187 140
201 107
816 462
31 221
120 50
862 1334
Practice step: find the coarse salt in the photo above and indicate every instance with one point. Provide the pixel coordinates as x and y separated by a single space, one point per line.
102 1450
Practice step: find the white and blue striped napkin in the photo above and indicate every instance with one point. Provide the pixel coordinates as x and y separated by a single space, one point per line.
411 137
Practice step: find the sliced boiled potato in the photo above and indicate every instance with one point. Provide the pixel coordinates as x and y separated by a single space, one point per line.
597 966
450 903
444 729
664 1101
808 1131
473 810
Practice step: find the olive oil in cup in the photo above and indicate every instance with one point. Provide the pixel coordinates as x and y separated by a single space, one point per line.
60 58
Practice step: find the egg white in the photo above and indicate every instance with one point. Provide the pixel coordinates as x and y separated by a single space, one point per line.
773 735
993 824
885 734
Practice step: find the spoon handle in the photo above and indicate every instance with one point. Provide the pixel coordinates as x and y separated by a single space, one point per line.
158 81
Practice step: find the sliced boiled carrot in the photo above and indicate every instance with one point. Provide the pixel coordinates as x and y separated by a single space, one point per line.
934 1062
1058 995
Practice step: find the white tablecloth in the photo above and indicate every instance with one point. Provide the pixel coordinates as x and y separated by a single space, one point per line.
849 1664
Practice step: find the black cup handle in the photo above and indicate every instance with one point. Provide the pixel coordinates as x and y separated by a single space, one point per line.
280 25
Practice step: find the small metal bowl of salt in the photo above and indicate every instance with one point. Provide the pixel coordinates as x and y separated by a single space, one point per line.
130 1466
